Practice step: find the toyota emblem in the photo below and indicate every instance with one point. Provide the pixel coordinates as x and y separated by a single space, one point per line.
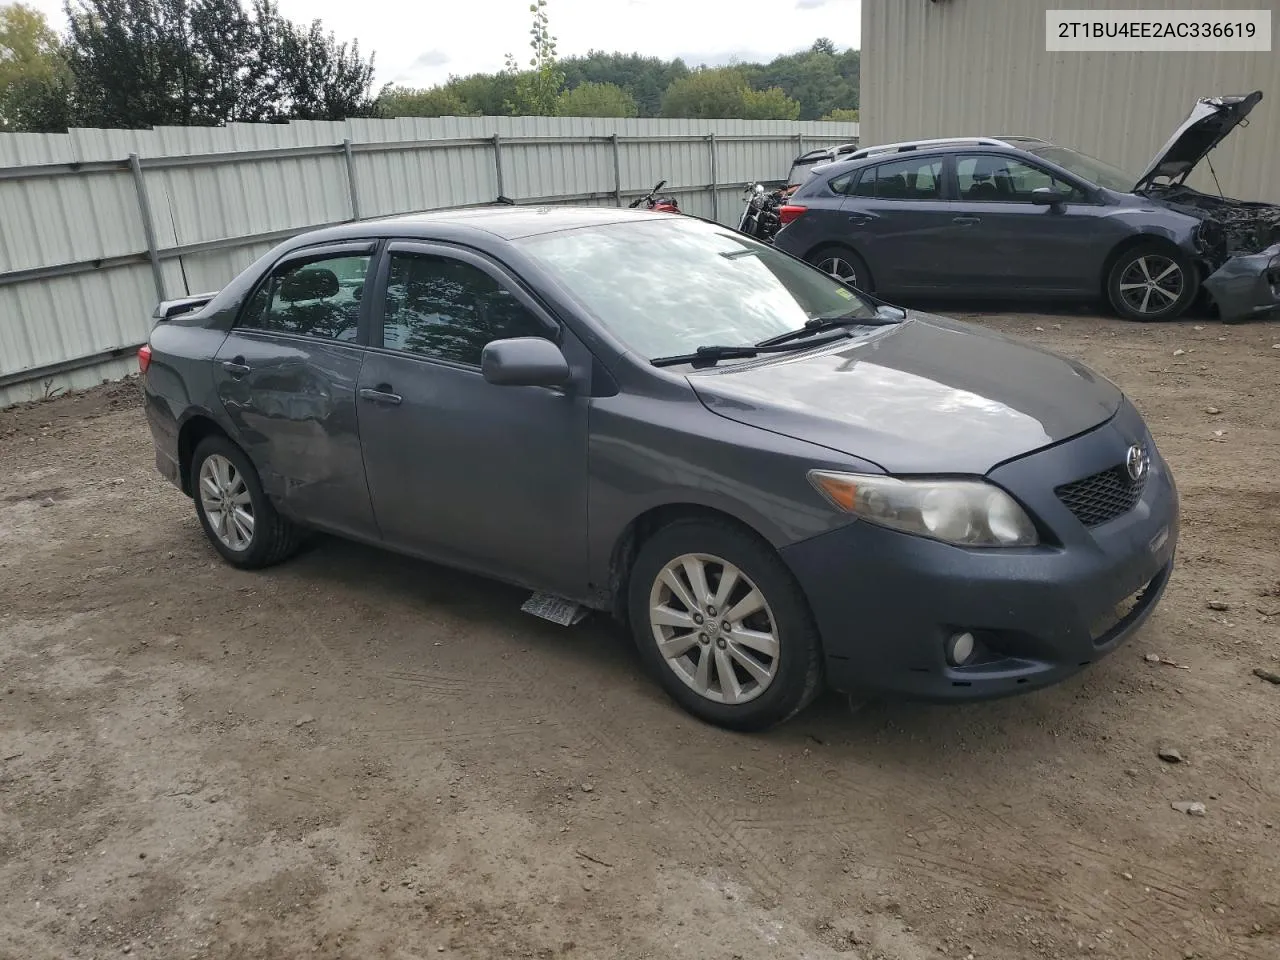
1136 463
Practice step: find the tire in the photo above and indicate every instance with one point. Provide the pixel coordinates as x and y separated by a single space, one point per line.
794 672
1141 286
843 263
219 468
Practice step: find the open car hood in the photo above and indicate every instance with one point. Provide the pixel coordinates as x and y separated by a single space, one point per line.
1210 121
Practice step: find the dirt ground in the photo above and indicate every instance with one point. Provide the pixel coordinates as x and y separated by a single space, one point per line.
361 756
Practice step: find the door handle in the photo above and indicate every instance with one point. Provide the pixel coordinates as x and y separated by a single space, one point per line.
236 367
381 395
967 220
859 218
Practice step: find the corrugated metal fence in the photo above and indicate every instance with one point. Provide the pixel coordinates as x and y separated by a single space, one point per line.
97 225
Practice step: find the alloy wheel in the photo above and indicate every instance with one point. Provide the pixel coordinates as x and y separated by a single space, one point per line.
839 268
1152 284
227 503
714 628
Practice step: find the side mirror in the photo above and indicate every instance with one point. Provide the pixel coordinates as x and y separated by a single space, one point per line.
1046 197
524 362
886 312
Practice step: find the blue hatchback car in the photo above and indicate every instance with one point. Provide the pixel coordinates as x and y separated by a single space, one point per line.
779 483
995 217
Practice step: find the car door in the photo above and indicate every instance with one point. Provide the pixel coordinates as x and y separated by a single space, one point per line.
286 376
1001 240
895 216
493 478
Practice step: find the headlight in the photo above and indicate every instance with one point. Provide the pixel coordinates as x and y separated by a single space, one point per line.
971 513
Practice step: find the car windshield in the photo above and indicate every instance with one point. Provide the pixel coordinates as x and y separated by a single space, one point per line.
1087 168
670 285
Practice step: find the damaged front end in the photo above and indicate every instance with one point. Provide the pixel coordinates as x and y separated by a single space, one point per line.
1247 285
1239 244
1238 240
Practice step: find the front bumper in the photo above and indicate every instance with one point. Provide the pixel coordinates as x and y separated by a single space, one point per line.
1246 286
886 602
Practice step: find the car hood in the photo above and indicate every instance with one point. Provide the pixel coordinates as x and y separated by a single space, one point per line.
1210 121
928 395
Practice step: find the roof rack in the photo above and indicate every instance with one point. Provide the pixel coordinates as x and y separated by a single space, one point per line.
907 146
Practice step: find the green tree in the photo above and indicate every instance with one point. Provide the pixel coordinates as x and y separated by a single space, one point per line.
596 100
537 90
645 78
725 93
484 94
707 94
35 82
771 104
842 115
820 80
396 101
140 63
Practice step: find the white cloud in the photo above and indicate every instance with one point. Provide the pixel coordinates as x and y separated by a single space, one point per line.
475 35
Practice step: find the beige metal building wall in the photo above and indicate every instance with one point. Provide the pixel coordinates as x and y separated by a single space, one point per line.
974 67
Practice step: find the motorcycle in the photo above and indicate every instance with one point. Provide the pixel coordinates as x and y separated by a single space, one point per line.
760 213
651 201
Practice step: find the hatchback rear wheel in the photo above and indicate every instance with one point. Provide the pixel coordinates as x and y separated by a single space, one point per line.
724 626
845 265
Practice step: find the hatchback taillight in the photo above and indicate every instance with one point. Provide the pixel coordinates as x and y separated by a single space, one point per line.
144 358
789 212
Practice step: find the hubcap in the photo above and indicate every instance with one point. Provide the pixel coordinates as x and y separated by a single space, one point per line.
224 496
714 628
840 269
1152 284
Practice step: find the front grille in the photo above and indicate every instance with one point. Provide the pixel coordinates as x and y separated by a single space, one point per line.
1101 497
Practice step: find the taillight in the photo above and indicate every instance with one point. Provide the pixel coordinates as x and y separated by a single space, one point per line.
790 211
144 358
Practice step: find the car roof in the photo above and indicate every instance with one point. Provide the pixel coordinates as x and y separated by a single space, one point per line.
908 146
501 220
870 156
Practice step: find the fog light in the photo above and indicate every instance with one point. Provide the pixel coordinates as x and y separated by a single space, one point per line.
959 649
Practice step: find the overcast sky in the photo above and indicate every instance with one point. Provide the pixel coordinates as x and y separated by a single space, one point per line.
419 44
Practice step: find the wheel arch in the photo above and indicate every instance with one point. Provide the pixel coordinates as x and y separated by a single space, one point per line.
194 429
1139 240
642 527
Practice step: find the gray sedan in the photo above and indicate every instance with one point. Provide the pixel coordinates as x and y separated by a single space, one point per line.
780 483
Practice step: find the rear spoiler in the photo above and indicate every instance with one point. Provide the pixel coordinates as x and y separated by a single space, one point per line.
168 309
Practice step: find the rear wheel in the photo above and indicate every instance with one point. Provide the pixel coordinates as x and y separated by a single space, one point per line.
843 264
235 513
724 626
1151 283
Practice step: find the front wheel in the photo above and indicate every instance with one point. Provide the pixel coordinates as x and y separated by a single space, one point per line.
1152 283
724 626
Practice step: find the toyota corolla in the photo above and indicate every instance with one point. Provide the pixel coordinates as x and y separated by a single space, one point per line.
781 484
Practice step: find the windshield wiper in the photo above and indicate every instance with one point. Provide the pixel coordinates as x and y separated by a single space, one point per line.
710 355
883 317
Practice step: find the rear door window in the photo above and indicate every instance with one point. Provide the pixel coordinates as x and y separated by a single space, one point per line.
311 298
919 178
